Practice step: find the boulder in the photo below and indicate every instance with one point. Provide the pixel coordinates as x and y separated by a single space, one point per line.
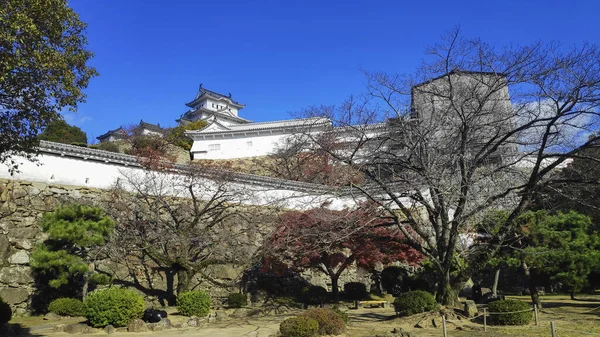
193 321
76 328
59 328
164 323
137 325
470 308
109 329
52 317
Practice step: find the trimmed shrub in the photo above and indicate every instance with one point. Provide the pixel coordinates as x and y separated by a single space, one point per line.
237 300
355 291
193 303
67 307
299 327
314 295
5 312
114 306
414 302
330 322
342 314
520 318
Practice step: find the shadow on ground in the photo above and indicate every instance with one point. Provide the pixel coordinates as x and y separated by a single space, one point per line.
369 316
16 329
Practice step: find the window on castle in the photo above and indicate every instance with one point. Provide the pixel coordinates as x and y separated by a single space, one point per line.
249 144
214 147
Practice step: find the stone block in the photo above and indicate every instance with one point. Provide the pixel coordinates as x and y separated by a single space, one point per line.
109 329
16 275
14 295
20 257
52 317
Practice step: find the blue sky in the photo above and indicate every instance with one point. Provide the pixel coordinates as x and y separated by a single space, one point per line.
280 56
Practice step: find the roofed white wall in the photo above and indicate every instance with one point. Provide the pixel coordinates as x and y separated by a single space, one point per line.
237 146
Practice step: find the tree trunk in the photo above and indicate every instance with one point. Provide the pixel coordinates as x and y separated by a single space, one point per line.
86 284
535 296
445 294
334 288
184 279
170 292
495 286
573 294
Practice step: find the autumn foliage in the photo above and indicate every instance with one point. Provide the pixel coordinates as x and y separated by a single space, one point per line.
329 241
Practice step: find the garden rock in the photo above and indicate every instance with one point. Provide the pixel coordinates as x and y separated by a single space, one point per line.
109 329
76 328
51 317
470 308
137 325
164 323
59 328
193 321
240 312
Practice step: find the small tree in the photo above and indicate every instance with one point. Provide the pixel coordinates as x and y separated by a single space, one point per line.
177 137
61 132
330 241
76 233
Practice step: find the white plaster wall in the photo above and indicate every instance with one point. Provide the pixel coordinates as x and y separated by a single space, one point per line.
55 169
237 147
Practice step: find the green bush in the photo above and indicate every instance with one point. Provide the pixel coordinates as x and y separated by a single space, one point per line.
314 295
414 302
520 318
193 303
330 322
5 312
67 307
342 314
114 306
355 291
299 327
237 300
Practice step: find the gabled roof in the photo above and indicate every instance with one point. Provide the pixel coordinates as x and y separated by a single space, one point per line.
290 123
205 92
151 127
117 133
225 115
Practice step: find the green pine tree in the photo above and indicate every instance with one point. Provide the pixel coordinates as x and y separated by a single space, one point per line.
75 234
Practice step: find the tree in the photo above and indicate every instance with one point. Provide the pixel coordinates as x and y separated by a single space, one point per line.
177 137
175 224
476 128
76 237
330 241
565 246
61 132
44 70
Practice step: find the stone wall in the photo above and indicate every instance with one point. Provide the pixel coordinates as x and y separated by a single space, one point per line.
22 204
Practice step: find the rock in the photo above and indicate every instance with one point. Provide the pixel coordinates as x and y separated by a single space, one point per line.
240 312
180 325
14 295
470 308
109 329
193 321
18 275
137 325
59 328
76 328
121 329
4 248
52 317
24 232
20 257
164 323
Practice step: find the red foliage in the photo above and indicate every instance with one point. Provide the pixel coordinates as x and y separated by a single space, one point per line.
329 241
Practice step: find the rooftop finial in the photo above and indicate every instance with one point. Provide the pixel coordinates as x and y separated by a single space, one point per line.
200 85
229 95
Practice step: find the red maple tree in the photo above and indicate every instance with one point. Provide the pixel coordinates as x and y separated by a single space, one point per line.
330 241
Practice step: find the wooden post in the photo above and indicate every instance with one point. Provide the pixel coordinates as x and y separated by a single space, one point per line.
484 319
553 328
444 325
535 313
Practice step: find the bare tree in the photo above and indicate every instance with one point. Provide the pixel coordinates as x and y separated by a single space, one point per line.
476 128
176 224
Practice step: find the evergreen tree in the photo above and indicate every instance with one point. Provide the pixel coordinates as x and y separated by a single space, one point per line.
61 132
75 235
